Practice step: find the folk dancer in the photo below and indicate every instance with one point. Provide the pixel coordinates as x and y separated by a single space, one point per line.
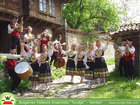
35 67
45 71
89 72
29 40
12 62
129 59
70 66
121 50
101 70
44 38
81 65
15 34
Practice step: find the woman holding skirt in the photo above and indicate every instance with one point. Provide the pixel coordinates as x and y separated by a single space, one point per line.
89 59
101 70
70 66
80 62
35 67
45 71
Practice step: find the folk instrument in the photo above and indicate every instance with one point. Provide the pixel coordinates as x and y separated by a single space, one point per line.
127 50
59 61
23 70
20 25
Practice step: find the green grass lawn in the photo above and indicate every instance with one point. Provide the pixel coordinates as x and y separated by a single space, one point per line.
117 88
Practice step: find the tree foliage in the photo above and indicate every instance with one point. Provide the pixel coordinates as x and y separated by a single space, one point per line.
92 14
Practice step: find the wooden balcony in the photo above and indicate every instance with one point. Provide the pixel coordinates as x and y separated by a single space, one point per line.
11 7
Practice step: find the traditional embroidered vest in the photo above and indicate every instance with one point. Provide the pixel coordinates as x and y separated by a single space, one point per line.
15 32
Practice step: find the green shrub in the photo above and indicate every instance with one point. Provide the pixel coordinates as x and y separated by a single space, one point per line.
110 61
5 86
58 74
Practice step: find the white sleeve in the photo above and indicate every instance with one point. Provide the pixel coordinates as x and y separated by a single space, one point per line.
105 47
49 35
13 56
76 57
9 29
131 50
65 52
25 38
85 59
50 53
93 55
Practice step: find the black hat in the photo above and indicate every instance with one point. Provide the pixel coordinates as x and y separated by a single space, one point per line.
129 39
44 28
14 17
124 39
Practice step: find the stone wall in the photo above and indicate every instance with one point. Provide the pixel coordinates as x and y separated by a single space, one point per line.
78 38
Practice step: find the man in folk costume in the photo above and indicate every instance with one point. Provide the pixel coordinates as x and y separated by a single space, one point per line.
129 59
121 50
44 38
101 70
54 49
12 62
15 33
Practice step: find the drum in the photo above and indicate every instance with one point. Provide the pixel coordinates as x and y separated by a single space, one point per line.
23 70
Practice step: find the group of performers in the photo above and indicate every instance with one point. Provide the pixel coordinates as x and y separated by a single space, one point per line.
90 65
126 64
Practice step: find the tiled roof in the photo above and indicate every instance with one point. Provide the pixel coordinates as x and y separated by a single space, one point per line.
134 27
75 31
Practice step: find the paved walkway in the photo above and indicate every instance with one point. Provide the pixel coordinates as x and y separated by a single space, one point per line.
62 88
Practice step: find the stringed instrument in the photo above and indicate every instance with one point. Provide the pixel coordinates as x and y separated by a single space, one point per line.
59 61
20 25
127 49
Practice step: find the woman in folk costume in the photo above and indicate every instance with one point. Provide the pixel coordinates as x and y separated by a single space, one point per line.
101 70
70 66
35 67
89 59
80 62
45 72
29 40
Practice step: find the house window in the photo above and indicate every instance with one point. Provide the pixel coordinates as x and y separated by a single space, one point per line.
43 5
51 7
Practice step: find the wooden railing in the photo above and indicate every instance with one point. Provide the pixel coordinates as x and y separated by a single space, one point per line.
13 5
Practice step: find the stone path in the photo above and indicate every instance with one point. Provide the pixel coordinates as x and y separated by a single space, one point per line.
62 88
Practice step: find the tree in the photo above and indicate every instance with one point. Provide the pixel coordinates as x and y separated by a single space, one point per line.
92 14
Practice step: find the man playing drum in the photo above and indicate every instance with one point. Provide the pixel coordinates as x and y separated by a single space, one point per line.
12 62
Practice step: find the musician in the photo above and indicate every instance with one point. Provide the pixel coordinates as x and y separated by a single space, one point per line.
45 72
54 50
70 66
12 62
129 59
15 34
80 62
44 38
121 50
35 67
29 40
101 70
89 59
